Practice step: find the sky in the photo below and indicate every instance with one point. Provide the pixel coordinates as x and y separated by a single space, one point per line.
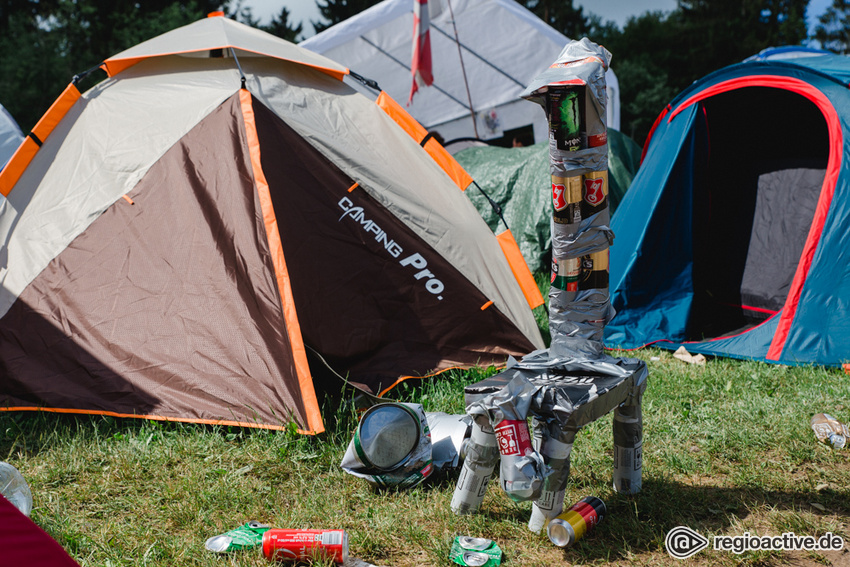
617 11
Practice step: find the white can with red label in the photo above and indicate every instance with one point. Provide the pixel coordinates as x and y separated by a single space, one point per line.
296 545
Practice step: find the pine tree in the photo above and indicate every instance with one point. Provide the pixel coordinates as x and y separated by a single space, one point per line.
833 31
281 27
336 11
561 15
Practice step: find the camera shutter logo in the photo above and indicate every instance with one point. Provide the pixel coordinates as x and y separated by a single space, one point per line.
683 542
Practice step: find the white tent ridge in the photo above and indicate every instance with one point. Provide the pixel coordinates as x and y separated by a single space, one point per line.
503 47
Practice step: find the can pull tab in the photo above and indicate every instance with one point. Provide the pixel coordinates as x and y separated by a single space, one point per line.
255 525
474 543
475 558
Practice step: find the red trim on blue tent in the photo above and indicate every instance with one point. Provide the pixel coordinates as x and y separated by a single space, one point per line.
652 131
833 168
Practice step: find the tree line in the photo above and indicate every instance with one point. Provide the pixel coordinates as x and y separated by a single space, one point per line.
44 43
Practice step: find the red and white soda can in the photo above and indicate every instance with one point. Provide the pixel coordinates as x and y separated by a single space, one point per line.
294 545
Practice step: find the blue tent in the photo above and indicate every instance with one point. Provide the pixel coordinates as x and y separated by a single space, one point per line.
734 237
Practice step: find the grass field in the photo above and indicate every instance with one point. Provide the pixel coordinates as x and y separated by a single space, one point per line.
727 449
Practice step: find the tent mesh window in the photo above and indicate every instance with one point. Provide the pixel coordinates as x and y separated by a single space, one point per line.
757 181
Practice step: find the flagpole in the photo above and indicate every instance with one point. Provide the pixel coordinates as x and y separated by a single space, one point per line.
463 70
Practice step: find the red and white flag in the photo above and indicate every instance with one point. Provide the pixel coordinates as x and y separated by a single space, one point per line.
420 65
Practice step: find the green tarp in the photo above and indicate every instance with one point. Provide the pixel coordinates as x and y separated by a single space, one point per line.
518 180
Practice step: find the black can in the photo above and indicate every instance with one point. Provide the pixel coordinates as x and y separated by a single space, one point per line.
566 117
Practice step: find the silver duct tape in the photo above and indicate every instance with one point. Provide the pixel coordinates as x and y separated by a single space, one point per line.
560 299
521 470
585 305
565 164
556 446
568 387
579 315
448 433
628 449
581 59
592 234
511 401
566 390
587 348
481 456
521 477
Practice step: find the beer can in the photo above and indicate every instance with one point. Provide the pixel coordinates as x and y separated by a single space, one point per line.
594 193
594 271
566 121
514 441
479 462
513 437
298 545
556 450
628 449
567 199
569 527
566 273
386 436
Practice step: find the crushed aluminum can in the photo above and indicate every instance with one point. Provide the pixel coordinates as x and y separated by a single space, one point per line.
245 536
475 552
386 436
391 447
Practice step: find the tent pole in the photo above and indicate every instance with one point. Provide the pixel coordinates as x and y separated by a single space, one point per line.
463 70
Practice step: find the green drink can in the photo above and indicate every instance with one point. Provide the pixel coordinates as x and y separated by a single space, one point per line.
475 552
565 118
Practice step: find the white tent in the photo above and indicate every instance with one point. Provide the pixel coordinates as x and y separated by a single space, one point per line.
503 46
10 136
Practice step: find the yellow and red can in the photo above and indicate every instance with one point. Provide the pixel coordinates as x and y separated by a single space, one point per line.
570 526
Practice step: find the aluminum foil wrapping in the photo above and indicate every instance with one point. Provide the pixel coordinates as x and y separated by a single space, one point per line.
521 470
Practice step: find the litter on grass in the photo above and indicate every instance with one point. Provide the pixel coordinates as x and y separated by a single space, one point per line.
830 431
475 552
244 537
683 355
